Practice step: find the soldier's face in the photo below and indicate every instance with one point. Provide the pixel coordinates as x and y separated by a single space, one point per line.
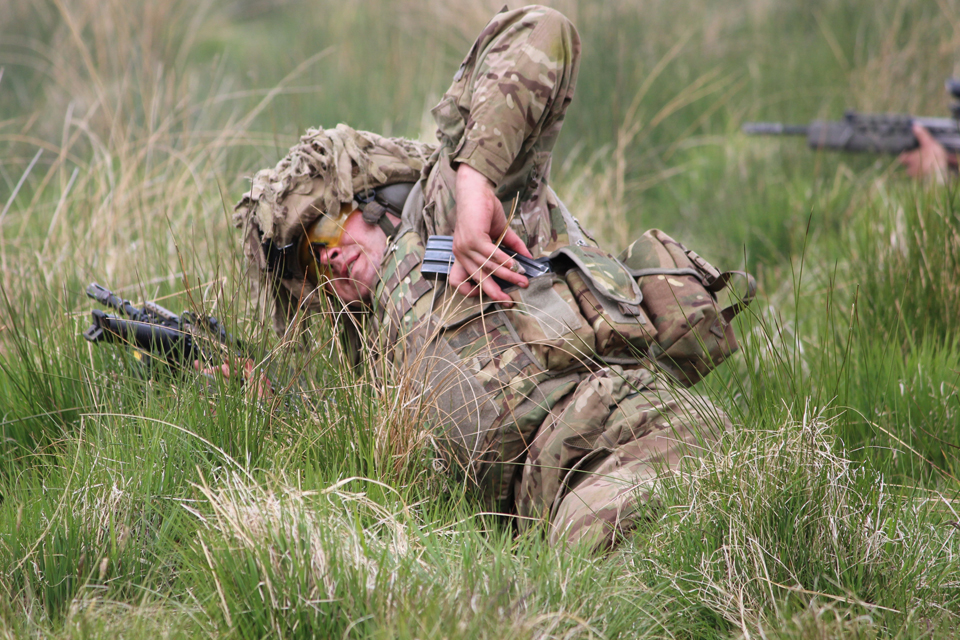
354 264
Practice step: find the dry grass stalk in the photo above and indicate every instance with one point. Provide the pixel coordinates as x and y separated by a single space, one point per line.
268 523
740 479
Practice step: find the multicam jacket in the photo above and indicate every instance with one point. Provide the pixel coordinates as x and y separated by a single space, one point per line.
501 116
499 395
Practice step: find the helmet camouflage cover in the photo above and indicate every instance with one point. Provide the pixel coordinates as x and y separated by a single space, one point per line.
324 170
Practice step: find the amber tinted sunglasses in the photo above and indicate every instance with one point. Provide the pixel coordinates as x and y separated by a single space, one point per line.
325 233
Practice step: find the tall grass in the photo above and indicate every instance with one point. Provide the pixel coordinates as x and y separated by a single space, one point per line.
908 256
148 502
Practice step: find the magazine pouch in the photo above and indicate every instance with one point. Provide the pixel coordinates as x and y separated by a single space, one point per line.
547 319
682 296
610 300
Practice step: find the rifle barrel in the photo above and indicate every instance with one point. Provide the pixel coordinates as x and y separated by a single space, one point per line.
775 129
109 299
945 125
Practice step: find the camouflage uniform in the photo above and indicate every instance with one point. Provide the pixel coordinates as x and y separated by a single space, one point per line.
582 445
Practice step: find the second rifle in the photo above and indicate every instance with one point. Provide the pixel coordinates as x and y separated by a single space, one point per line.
868 132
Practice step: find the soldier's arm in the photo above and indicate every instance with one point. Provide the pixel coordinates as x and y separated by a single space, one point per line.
519 90
523 72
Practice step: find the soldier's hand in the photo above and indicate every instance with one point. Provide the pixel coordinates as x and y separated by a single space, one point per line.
928 159
481 223
257 382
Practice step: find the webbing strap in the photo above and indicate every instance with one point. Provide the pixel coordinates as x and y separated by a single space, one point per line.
573 226
388 227
642 273
742 288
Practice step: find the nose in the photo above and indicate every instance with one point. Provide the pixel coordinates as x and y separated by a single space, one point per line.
329 255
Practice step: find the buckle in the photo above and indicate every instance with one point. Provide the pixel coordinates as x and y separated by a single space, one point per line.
279 260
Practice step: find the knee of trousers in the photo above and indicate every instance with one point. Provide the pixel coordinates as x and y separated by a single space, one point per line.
616 492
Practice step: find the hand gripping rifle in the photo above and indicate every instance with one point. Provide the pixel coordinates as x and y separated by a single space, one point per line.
871 133
158 332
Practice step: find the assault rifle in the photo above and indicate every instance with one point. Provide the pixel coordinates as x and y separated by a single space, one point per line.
871 133
158 333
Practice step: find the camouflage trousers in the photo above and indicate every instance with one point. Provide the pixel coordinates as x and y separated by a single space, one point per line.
594 464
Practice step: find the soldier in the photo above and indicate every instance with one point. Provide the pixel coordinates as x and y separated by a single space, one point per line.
511 380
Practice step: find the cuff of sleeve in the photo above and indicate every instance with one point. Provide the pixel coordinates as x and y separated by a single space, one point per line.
484 160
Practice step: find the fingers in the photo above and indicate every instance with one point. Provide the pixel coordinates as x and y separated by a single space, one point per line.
928 159
484 257
504 267
477 265
485 283
468 289
512 241
458 279
209 371
467 286
493 291
923 136
911 162
258 382
225 369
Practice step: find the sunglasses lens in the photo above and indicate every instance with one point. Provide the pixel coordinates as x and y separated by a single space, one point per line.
325 233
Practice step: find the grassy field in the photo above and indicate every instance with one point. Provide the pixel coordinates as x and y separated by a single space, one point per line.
164 505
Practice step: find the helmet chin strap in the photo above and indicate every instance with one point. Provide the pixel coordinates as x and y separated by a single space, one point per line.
388 227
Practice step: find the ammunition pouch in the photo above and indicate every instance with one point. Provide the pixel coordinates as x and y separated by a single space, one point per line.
657 304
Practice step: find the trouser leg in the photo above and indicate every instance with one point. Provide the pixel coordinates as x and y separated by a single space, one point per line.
611 496
594 465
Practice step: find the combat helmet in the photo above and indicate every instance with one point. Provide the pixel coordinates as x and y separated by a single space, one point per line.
285 215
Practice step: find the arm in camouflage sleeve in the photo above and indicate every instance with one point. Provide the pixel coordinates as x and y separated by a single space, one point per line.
524 79
521 75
